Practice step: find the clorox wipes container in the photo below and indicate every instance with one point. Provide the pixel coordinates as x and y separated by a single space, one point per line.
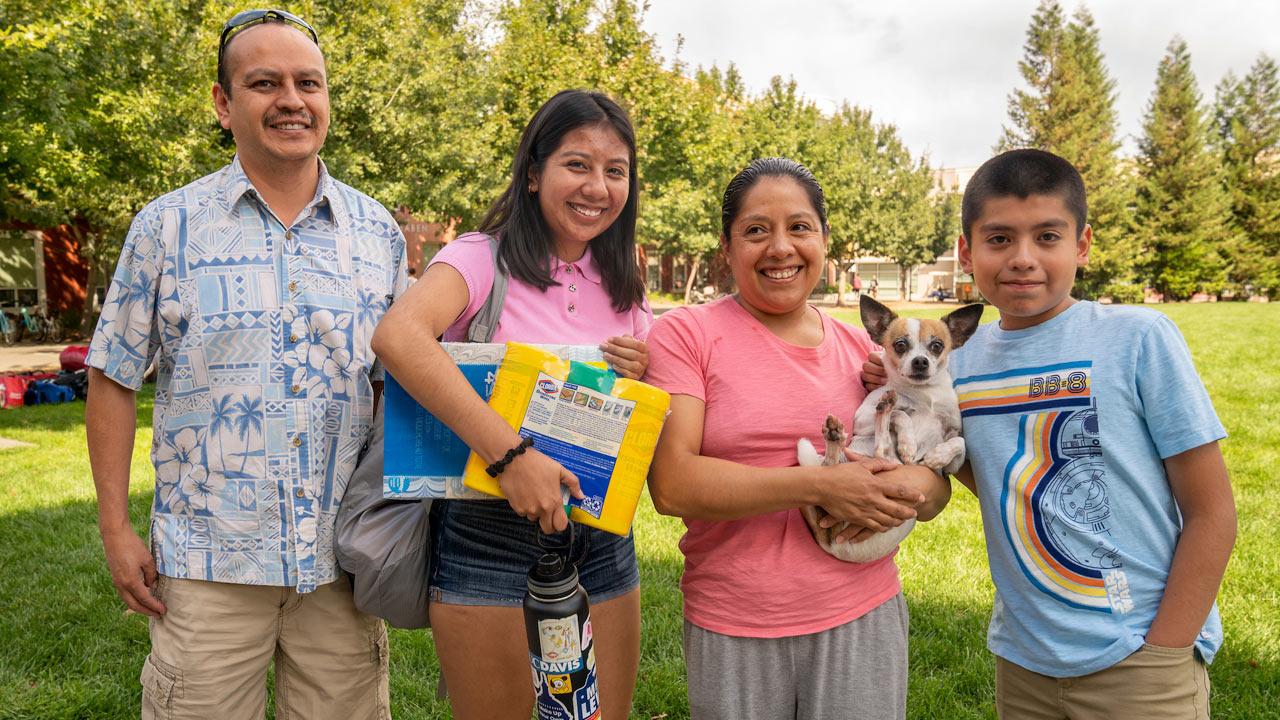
600 427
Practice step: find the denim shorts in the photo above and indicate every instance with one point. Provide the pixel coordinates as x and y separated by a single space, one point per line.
482 552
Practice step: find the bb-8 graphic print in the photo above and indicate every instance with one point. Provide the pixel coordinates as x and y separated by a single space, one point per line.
1055 509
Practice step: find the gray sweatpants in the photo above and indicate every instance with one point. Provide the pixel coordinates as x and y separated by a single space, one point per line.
857 670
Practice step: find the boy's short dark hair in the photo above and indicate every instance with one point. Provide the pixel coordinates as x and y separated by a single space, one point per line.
1022 173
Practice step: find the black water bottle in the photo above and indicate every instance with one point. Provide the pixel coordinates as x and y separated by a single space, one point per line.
557 620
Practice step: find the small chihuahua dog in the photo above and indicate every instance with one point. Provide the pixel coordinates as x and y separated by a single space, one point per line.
913 419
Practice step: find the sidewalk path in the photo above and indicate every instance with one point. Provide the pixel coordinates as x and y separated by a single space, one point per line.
27 357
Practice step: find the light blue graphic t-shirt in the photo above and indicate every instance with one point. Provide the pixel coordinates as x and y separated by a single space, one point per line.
1066 425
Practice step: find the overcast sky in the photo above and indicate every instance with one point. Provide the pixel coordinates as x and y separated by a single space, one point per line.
942 71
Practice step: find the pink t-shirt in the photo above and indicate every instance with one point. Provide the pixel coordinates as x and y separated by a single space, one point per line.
764 576
577 312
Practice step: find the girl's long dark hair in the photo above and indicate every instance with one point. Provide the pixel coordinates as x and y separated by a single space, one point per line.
525 246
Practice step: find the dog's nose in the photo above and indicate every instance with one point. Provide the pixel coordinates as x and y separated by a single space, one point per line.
919 364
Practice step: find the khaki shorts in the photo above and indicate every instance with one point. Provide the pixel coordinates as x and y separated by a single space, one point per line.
210 652
1154 682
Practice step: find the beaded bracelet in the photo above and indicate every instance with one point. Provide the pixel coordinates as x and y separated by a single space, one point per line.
496 469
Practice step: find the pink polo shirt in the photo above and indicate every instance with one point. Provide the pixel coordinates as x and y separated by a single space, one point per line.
577 312
764 576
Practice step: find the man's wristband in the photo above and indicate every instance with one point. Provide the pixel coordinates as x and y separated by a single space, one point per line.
496 469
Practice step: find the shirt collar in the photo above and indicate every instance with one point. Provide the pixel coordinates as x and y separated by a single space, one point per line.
236 184
585 266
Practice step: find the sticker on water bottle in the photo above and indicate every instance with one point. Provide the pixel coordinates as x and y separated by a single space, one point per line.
559 639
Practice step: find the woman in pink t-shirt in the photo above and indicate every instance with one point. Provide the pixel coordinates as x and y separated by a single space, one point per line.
774 626
566 225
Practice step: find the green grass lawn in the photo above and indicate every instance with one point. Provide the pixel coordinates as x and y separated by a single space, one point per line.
70 652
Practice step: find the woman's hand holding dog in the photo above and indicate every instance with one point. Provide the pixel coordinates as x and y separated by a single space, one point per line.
627 356
856 494
531 484
873 373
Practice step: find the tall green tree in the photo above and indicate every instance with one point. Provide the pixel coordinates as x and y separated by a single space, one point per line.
912 213
1247 121
692 159
848 164
405 86
879 198
1068 108
107 106
1184 211
1034 112
110 109
780 122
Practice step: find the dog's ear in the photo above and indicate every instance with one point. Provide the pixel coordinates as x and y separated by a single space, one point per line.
875 318
963 322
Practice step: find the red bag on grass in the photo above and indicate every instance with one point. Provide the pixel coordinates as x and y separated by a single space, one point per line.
72 357
12 388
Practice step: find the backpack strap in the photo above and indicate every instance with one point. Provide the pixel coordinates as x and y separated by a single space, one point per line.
485 322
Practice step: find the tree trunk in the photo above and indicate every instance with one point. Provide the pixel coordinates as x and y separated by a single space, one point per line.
691 278
904 277
841 279
95 271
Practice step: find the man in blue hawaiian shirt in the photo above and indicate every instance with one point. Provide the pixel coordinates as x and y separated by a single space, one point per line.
254 291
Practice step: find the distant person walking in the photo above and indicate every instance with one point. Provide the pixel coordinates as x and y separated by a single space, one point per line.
255 290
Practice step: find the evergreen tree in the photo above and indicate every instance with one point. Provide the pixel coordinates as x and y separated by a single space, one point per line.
1068 108
1032 111
1090 143
1247 119
1184 213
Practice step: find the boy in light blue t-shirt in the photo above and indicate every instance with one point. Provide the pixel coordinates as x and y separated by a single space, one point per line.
1093 450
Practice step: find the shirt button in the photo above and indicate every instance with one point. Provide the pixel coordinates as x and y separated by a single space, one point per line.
295 389
288 234
293 286
570 308
297 442
568 269
299 493
293 338
573 288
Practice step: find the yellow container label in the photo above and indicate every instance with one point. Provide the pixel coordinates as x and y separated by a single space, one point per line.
606 439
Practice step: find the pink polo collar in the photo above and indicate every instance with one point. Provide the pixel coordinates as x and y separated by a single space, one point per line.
585 266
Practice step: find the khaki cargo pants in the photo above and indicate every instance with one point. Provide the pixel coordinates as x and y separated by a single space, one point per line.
1154 682
210 651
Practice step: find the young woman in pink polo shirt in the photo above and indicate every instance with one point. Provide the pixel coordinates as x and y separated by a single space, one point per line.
566 231
775 628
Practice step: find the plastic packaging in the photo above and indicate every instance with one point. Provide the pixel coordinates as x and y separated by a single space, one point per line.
601 428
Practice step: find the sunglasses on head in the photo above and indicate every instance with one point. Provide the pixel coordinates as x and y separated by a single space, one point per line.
249 18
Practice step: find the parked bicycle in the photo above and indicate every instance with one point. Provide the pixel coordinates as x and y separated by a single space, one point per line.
8 330
28 327
50 328
38 326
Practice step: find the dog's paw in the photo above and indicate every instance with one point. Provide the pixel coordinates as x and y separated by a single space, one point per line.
833 430
906 448
887 402
947 457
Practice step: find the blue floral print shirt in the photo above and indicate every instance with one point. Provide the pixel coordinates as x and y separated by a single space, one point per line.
264 398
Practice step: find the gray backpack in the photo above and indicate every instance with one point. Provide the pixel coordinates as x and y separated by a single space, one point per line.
385 544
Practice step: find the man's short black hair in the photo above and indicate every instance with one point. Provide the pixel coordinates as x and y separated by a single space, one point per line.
1022 173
